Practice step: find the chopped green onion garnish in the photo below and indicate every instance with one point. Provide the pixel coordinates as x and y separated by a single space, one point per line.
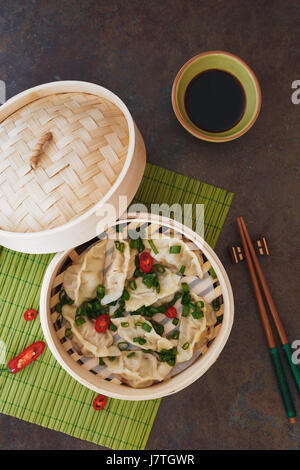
68 332
182 269
174 300
219 319
185 287
197 314
175 321
111 358
138 323
186 346
79 321
151 243
185 298
140 340
147 351
124 324
159 268
216 304
185 311
123 346
157 327
132 284
174 334
101 362
119 245
146 327
112 327
125 295
131 354
100 291
200 304
134 244
171 362
175 249
58 307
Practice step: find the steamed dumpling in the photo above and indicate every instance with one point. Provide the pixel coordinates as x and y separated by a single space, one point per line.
191 331
138 370
116 274
186 257
134 330
82 277
144 296
90 342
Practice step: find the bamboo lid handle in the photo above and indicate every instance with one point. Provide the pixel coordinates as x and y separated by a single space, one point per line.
38 149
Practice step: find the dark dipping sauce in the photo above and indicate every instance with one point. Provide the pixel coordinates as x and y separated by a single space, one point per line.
215 100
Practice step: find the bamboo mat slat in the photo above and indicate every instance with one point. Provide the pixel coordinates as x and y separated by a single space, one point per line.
44 393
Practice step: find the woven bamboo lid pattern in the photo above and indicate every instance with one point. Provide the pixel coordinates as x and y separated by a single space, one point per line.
76 168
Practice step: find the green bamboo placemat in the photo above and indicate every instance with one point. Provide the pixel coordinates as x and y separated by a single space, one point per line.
44 393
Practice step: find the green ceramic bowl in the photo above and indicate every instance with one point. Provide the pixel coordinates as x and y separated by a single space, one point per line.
223 61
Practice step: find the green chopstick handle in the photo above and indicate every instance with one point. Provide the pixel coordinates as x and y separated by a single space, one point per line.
282 382
294 367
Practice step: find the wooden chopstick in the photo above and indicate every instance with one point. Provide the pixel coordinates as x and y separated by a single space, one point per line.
279 326
281 378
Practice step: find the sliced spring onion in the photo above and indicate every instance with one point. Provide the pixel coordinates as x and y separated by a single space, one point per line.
216 304
139 323
123 346
175 249
151 243
185 287
186 310
131 354
157 327
112 327
132 284
140 340
119 245
200 304
182 269
175 321
111 358
159 268
68 332
197 314
171 362
185 298
174 334
79 321
101 362
124 324
125 295
146 327
186 346
100 291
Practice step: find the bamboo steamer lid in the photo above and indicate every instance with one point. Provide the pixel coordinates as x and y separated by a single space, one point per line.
63 148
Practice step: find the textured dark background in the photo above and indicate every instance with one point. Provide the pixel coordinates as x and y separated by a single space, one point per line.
135 48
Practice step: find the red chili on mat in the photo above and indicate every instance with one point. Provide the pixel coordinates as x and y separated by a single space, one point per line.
99 402
146 262
30 314
171 312
102 323
26 357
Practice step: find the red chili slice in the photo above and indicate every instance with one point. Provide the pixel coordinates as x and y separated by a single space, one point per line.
171 312
146 262
30 314
99 402
102 323
26 357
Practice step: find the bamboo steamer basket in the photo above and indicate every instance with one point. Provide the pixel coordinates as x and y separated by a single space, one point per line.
86 370
67 149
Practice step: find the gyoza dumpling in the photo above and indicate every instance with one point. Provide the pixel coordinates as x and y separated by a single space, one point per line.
138 370
82 277
116 274
130 327
144 296
90 342
185 257
191 331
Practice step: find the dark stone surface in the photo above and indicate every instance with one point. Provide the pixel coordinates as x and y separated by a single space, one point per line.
135 49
